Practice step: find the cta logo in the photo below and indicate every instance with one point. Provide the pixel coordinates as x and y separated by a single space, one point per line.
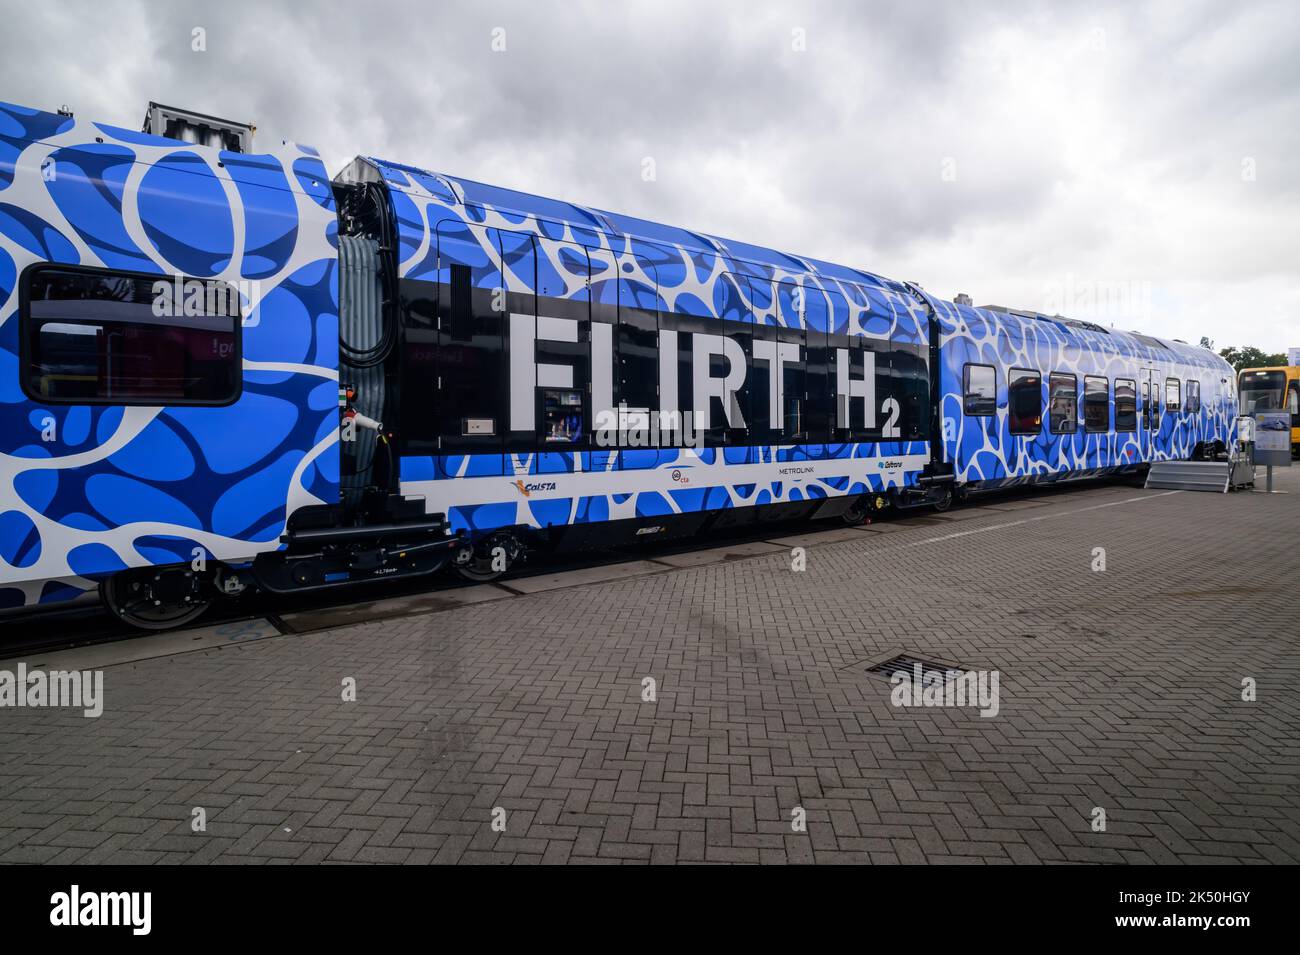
527 489
679 477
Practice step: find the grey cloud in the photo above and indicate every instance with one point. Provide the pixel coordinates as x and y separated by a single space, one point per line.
1103 163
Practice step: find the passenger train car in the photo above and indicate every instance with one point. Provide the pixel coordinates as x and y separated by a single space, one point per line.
1273 388
221 370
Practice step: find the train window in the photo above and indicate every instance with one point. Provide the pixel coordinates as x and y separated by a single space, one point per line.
793 427
1173 402
1096 404
980 389
1193 395
795 387
1062 403
1146 405
638 352
1262 391
96 337
1024 401
561 415
1125 404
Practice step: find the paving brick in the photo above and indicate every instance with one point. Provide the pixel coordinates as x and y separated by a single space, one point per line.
1119 690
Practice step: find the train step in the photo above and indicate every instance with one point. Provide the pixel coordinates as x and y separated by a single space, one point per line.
1191 475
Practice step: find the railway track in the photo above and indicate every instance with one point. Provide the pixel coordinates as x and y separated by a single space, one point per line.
89 624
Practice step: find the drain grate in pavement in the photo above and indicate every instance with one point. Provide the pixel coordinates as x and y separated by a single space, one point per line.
908 664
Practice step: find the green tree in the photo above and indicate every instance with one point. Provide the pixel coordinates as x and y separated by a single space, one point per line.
1248 356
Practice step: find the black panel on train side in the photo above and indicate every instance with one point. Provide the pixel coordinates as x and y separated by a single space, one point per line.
469 353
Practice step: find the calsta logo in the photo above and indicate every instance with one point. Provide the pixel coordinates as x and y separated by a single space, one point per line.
527 489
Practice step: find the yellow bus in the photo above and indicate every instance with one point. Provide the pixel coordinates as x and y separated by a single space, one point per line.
1272 389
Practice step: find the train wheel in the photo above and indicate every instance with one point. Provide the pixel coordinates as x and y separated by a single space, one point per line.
155 599
489 559
857 511
944 500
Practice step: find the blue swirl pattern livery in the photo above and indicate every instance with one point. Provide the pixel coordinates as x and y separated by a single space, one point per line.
88 490
219 370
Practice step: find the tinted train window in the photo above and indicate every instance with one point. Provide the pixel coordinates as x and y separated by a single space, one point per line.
1024 401
1062 403
1126 416
561 416
980 388
1096 404
1172 400
1193 395
911 386
793 422
90 336
638 354
1262 391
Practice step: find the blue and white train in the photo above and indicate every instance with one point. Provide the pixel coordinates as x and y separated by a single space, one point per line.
222 370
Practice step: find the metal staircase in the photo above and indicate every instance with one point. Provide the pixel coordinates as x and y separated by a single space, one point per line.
1193 475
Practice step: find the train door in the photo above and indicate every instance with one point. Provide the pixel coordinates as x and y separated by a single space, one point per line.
518 252
861 366
1149 426
793 313
1293 406
606 367
469 403
573 363
647 376
720 356
779 383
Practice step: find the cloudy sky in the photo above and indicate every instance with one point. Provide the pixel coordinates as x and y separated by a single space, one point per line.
1135 164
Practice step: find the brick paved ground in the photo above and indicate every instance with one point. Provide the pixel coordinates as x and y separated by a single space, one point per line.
1119 690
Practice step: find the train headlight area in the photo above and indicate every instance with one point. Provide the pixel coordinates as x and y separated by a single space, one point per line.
248 374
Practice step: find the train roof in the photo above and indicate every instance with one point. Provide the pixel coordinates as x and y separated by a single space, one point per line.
513 202
517 205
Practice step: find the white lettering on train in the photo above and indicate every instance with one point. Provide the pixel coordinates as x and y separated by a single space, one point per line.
847 388
777 355
527 374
